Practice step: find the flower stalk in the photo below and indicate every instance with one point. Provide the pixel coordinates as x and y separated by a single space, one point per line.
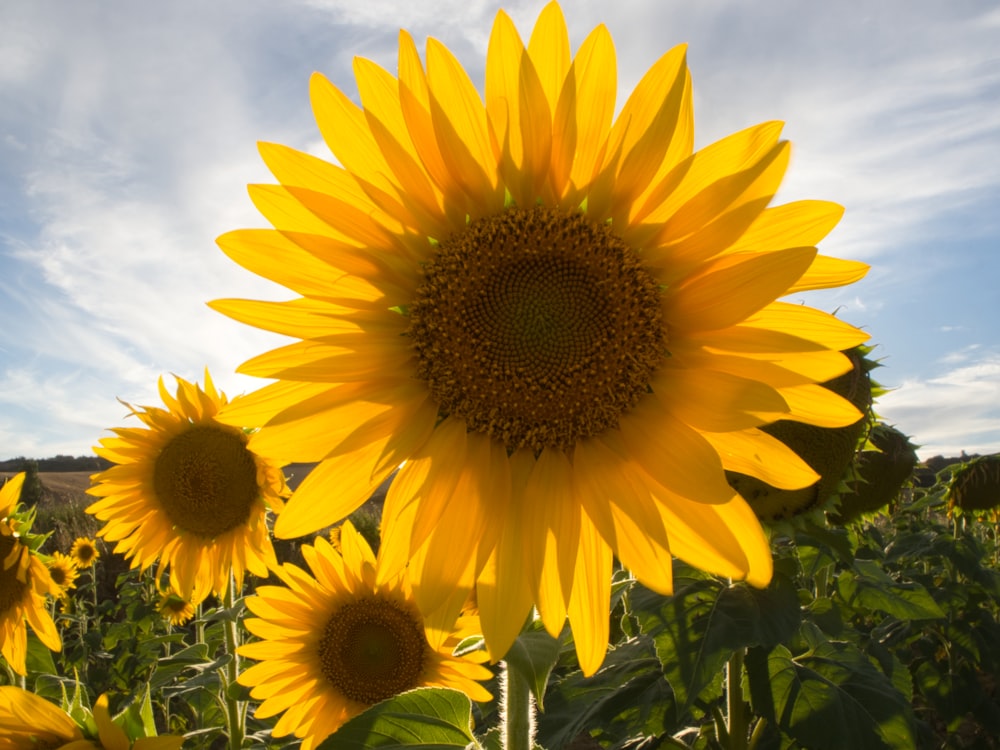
235 709
517 710
736 708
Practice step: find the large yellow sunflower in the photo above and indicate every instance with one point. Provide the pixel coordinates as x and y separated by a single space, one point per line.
339 641
28 722
24 583
566 324
188 491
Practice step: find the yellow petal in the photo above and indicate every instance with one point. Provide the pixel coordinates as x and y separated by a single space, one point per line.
552 527
504 588
755 184
757 454
733 288
583 115
652 127
826 273
723 538
807 323
711 400
816 405
346 133
728 156
334 489
459 120
590 602
641 136
621 509
414 101
549 51
673 454
796 224
112 736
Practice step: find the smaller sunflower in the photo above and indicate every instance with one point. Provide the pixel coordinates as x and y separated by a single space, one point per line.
334 644
24 582
28 722
189 492
84 552
175 608
63 570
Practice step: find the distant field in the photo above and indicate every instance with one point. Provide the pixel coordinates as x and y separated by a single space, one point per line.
61 486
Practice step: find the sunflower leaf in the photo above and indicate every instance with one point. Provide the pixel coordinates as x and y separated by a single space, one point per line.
833 696
698 628
427 718
533 655
626 697
871 588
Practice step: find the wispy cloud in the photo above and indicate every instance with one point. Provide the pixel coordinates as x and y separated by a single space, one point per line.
127 134
956 410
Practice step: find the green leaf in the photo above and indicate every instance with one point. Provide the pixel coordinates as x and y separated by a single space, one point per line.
39 658
825 612
137 718
697 629
833 697
533 655
626 697
871 588
429 718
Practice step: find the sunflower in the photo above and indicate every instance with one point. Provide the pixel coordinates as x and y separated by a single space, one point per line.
188 491
84 552
29 722
339 641
24 583
564 326
175 608
63 571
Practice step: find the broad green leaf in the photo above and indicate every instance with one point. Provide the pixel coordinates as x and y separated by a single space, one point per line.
825 612
533 655
832 697
697 629
39 658
871 588
429 718
626 697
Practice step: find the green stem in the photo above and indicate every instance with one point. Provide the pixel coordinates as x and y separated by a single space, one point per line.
199 624
517 710
758 732
738 719
235 709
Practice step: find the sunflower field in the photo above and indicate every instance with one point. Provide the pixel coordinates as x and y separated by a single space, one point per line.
585 471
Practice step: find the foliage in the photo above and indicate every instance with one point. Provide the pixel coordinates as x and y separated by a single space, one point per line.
884 633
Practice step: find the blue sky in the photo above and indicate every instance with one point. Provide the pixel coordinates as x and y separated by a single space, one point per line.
128 132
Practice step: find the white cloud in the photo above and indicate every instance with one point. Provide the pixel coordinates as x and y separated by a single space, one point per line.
958 410
128 132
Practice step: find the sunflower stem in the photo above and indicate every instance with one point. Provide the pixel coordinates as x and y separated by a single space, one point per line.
235 709
517 714
738 724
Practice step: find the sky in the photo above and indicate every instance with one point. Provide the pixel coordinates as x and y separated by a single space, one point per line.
128 133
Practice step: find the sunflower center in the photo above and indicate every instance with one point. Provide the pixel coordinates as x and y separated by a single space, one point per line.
11 588
537 327
373 649
206 480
